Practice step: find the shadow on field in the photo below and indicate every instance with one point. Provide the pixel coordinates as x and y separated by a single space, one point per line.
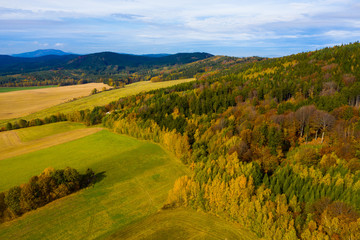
99 177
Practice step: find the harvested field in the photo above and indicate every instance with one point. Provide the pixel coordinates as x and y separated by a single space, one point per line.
21 103
8 139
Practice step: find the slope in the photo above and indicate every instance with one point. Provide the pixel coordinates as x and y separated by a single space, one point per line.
138 176
87 102
180 224
274 144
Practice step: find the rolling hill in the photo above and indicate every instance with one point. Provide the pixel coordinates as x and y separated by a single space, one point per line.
91 62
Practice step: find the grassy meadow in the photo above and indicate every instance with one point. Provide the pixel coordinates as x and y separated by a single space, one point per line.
33 133
13 89
21 141
138 176
88 102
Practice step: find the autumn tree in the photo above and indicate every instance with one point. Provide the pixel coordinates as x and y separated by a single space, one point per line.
303 116
12 200
324 121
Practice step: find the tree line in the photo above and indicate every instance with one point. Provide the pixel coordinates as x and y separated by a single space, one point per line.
50 185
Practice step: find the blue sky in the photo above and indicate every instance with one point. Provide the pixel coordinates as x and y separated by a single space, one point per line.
226 27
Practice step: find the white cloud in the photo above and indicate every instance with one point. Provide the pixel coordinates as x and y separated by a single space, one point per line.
175 22
59 44
340 34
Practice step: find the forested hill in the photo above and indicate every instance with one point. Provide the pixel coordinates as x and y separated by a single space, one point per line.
95 62
273 144
111 68
16 65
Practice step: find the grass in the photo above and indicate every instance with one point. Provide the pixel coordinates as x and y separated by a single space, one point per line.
19 148
97 100
179 224
138 174
13 89
34 133
21 141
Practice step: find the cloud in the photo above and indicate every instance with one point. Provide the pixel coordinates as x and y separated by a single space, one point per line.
340 34
139 24
122 16
59 44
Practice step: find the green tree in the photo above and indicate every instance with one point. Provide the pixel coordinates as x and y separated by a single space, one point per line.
23 123
9 126
2 204
12 200
94 91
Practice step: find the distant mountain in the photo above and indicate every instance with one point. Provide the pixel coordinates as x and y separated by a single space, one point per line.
95 63
14 65
99 61
156 55
41 53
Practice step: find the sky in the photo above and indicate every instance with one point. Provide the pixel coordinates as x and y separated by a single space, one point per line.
236 28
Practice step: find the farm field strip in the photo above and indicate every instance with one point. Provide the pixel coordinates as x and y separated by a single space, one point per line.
37 132
21 103
12 89
89 102
9 139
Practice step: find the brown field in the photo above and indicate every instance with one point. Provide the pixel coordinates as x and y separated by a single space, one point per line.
11 144
22 103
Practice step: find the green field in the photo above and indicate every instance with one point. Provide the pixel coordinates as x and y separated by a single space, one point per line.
13 89
33 133
138 176
99 99
179 224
